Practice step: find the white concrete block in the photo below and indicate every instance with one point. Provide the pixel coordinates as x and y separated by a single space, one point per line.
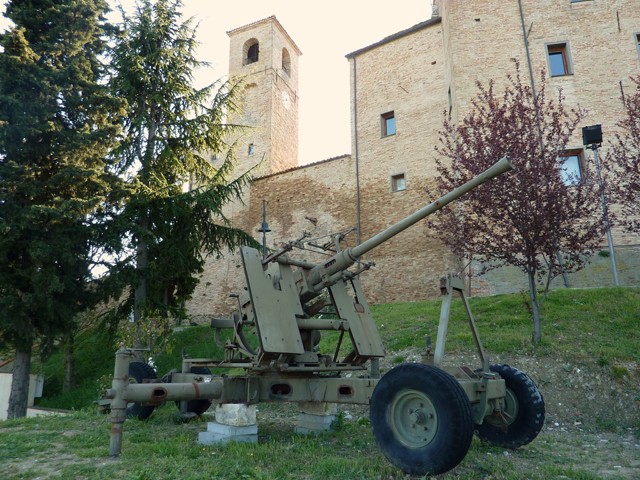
236 414
229 430
234 423
209 438
308 423
5 391
318 408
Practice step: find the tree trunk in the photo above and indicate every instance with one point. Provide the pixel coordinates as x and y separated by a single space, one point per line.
20 384
142 247
140 295
535 307
69 367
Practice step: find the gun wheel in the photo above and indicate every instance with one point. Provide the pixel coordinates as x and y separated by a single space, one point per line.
201 405
523 414
138 372
421 419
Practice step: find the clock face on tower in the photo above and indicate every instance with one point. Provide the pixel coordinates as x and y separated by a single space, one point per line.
286 101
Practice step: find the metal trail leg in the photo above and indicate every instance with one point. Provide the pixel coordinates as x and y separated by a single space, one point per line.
448 285
186 368
443 325
476 335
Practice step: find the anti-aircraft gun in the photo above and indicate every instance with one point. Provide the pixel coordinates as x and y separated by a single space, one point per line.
423 415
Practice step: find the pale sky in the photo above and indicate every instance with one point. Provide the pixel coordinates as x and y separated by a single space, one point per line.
325 32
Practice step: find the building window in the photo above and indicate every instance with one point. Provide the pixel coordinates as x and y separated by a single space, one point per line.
286 61
388 124
251 51
250 150
398 183
638 43
558 57
571 163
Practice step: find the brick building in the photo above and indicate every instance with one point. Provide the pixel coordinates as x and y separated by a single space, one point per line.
400 87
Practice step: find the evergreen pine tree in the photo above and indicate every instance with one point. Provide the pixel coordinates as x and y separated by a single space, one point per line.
56 129
171 129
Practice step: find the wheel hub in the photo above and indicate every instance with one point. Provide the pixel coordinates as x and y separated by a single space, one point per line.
418 417
413 418
508 415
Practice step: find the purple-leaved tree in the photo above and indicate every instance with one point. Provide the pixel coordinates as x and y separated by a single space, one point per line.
623 160
540 217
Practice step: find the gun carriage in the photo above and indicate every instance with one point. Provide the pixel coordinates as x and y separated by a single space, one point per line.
423 415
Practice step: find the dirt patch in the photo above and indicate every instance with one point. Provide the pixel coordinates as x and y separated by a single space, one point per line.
607 455
580 395
38 468
592 411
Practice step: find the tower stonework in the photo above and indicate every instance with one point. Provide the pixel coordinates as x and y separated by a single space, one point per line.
265 59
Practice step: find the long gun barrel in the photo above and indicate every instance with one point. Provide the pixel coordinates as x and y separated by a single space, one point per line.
324 275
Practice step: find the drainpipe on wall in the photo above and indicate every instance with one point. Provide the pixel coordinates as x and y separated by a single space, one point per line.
374 367
525 38
355 138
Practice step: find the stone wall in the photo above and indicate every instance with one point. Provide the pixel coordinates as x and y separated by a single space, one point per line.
598 273
404 76
601 39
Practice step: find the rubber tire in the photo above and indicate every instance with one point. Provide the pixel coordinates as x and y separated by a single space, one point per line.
139 371
201 405
530 411
450 408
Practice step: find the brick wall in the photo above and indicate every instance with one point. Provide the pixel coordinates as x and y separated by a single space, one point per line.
405 76
600 36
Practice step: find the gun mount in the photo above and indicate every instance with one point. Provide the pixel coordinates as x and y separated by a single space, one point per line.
282 296
422 415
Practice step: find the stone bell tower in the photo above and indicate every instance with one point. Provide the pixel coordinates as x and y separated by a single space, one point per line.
266 59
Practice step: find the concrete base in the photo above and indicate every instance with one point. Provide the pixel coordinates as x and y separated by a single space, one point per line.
315 417
234 423
218 433
236 414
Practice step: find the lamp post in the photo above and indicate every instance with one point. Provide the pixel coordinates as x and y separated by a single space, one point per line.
592 139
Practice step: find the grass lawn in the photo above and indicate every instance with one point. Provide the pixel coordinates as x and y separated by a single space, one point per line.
590 342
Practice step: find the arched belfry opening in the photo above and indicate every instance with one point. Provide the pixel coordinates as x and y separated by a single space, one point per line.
251 51
286 61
